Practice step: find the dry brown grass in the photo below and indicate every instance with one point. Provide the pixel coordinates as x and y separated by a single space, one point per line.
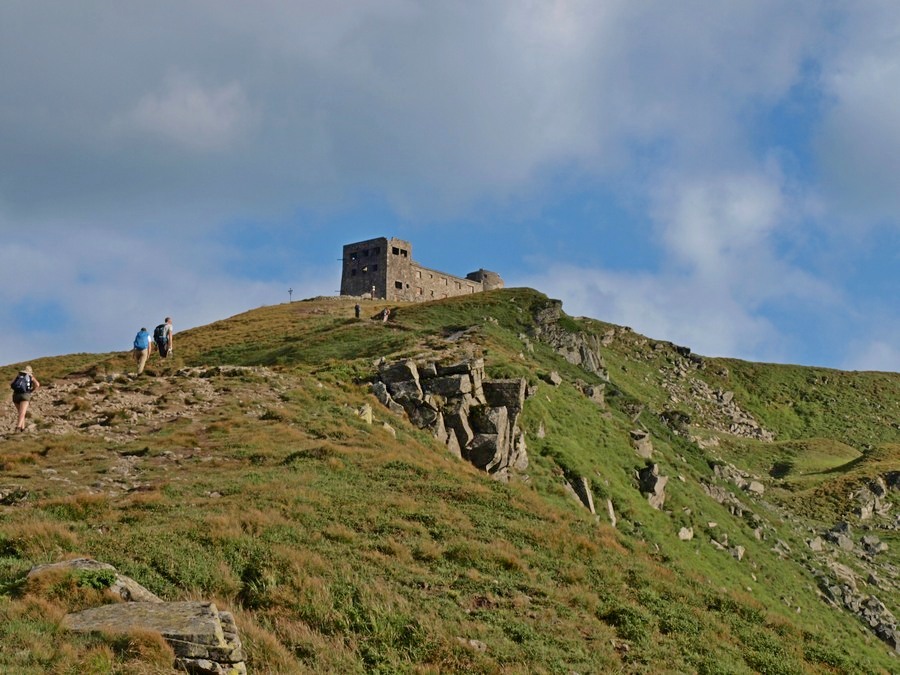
39 540
63 586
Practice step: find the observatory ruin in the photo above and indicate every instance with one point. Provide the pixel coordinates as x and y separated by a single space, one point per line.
384 268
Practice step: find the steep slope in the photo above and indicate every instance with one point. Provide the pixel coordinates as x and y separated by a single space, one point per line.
240 471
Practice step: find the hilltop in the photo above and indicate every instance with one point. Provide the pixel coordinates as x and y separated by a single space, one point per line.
744 515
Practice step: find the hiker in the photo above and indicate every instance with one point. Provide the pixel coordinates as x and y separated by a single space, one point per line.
163 337
385 314
356 309
141 349
23 386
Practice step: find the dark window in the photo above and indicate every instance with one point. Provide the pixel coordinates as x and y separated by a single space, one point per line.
352 273
403 252
398 284
377 250
395 251
375 268
365 252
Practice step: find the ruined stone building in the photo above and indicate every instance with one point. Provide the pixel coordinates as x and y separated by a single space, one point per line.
383 268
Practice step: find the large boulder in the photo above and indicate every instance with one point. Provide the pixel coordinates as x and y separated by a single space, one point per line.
509 394
448 386
402 371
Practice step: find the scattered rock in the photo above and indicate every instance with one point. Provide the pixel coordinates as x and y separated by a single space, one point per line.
553 378
12 495
756 487
686 533
365 413
127 589
643 445
474 645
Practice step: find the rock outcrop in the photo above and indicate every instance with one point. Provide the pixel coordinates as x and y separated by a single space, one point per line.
653 485
476 418
580 349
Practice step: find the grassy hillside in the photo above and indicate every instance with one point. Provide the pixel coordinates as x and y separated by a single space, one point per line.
239 472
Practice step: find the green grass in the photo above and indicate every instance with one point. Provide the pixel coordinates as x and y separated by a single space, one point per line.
341 548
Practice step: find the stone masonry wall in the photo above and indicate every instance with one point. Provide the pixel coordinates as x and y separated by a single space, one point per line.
384 268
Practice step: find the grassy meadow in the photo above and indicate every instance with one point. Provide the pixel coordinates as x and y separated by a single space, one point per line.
239 472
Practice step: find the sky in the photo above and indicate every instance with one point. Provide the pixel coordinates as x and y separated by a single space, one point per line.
723 175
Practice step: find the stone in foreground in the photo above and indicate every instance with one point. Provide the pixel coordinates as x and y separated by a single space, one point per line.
205 640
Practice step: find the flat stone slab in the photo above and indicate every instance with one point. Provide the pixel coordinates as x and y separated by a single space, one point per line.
195 630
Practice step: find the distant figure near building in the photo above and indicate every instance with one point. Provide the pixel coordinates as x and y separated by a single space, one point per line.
356 310
385 269
385 314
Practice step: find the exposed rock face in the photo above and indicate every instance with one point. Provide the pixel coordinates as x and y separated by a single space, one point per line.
580 349
653 485
477 419
581 489
205 640
872 497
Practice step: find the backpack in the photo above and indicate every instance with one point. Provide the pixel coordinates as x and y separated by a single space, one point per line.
141 340
159 333
22 383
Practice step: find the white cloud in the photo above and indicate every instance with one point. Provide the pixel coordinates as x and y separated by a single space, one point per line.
676 308
231 112
877 354
721 269
193 116
108 285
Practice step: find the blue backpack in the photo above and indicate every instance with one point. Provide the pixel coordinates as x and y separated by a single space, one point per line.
142 340
22 383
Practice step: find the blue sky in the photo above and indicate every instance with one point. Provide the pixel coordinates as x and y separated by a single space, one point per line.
720 174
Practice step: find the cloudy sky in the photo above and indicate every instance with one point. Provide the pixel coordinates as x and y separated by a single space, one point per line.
720 174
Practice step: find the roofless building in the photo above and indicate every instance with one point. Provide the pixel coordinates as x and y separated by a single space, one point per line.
384 268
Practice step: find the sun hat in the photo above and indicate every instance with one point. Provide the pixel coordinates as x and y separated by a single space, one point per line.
27 370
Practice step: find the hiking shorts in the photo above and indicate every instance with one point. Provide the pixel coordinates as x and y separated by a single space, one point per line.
18 398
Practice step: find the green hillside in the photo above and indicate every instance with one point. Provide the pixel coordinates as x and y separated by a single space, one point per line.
240 472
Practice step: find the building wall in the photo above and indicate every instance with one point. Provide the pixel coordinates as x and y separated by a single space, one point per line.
387 266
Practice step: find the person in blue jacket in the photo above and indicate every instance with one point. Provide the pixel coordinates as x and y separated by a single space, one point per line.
141 349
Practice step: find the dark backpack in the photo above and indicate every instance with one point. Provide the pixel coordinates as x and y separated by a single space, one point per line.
159 334
22 383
